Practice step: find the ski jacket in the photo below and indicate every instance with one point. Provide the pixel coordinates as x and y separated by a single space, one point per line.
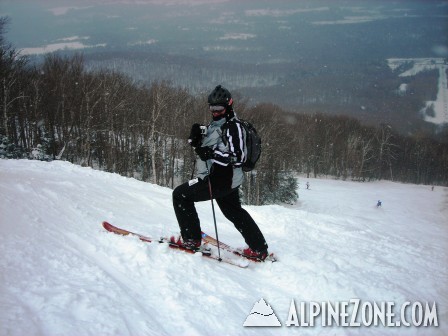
228 155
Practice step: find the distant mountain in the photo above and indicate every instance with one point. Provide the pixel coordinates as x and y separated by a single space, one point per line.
307 56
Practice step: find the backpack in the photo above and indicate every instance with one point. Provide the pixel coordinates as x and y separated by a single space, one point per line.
252 141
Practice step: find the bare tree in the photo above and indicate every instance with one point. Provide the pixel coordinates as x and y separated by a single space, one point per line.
12 66
385 150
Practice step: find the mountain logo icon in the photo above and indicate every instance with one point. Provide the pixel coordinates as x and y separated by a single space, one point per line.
262 315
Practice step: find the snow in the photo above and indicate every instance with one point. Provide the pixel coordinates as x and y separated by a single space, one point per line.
238 36
63 274
57 11
72 43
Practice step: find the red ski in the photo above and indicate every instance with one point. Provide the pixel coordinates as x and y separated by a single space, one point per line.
206 254
109 227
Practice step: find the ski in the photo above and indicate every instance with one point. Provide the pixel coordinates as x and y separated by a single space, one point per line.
213 241
205 253
109 227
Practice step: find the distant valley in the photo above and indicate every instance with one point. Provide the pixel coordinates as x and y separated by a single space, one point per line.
334 57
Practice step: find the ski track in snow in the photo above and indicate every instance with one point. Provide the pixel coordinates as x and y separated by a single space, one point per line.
63 274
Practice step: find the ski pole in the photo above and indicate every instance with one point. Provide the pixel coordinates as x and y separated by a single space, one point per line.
213 209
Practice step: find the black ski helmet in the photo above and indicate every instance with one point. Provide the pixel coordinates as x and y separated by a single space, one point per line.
220 96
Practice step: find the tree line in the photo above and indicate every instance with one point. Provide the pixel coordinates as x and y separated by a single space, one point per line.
105 120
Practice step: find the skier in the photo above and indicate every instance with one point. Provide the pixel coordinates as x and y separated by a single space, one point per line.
220 157
307 185
378 204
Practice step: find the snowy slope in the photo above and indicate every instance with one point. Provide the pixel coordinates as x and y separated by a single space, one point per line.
63 274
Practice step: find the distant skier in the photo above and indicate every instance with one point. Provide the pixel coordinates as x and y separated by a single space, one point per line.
219 160
307 185
378 204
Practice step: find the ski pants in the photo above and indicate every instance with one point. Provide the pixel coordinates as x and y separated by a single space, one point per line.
184 197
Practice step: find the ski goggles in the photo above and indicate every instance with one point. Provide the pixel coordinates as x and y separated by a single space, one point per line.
216 108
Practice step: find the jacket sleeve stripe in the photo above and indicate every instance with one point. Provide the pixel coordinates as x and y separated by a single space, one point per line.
236 143
240 133
221 158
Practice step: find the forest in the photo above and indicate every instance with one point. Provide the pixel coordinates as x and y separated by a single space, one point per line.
60 110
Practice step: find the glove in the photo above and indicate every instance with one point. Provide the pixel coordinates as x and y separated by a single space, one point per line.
195 138
205 153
